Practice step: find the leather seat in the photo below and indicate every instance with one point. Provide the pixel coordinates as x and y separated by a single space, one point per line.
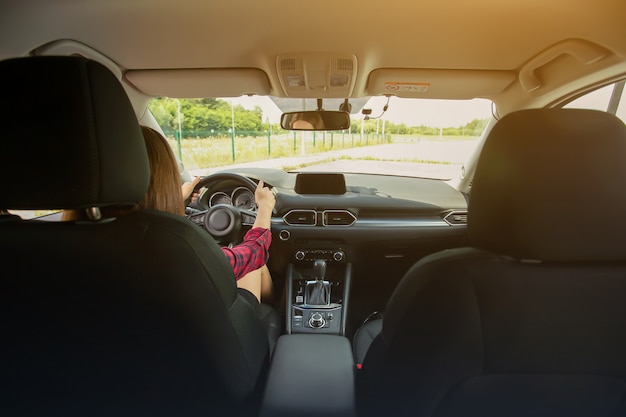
530 320
136 315
364 335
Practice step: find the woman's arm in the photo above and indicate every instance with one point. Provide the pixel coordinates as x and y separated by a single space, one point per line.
253 252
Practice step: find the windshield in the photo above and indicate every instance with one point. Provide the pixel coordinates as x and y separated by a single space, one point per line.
387 135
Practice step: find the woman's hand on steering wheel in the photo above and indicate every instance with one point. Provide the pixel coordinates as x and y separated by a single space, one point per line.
190 193
223 221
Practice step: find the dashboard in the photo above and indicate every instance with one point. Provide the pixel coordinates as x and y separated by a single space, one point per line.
378 224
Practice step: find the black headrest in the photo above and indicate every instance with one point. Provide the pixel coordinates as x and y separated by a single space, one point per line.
548 186
70 136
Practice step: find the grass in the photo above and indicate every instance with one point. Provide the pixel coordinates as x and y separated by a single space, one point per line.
215 152
413 160
367 158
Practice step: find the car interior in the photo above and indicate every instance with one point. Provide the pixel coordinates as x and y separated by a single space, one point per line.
495 289
145 311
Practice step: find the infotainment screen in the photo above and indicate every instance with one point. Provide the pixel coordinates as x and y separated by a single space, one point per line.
320 183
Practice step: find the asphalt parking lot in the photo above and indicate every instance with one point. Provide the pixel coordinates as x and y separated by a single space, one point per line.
430 158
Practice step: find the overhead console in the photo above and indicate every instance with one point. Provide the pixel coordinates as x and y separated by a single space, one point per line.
317 74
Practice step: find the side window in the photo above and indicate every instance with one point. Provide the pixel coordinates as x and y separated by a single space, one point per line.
610 98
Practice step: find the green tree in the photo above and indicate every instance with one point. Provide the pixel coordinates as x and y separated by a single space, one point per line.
196 118
249 120
165 112
475 127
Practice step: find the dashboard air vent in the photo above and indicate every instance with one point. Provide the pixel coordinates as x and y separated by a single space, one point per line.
301 218
456 218
338 218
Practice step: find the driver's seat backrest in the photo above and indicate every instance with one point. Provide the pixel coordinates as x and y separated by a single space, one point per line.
531 319
136 315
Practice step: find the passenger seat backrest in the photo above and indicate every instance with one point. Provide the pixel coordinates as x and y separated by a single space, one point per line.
530 320
136 315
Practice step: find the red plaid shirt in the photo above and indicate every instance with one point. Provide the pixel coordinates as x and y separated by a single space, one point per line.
252 253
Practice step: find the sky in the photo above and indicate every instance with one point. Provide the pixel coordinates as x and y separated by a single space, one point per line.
441 113
437 113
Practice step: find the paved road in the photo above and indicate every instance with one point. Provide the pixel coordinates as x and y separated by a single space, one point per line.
447 157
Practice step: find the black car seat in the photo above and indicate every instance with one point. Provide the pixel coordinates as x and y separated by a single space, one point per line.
136 315
531 319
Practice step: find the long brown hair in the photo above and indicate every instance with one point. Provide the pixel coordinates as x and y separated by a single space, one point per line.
164 192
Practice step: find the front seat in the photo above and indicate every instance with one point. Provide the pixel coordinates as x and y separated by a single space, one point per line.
531 319
129 316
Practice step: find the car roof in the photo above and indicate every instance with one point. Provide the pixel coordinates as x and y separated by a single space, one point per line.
518 53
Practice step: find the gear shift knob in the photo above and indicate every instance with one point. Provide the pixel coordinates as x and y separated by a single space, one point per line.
318 290
319 269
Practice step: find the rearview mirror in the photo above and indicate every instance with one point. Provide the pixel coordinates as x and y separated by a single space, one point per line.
315 120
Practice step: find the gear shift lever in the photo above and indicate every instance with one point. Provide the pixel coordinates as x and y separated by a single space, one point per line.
319 269
318 290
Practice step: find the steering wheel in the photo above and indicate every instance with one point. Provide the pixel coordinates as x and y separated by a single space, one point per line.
225 222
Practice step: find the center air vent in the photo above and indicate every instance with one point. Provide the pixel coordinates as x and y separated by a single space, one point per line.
338 218
456 218
301 218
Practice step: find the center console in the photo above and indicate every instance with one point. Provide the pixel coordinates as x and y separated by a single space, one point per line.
312 370
310 376
318 281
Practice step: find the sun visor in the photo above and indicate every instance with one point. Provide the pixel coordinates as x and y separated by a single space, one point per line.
197 83
437 83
